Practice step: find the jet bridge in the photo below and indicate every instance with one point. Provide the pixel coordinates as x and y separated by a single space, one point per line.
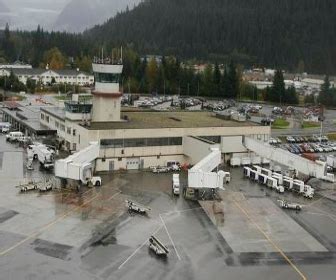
201 175
78 166
307 167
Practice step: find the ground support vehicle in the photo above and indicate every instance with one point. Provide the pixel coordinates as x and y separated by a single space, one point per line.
290 205
157 246
160 169
31 186
176 184
136 207
96 181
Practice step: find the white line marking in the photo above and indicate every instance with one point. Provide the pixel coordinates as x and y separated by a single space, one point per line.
180 211
137 249
113 196
171 240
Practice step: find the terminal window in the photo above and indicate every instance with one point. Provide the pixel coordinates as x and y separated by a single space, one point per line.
141 142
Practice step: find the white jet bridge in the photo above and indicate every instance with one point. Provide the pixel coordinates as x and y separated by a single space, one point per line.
201 175
78 166
317 169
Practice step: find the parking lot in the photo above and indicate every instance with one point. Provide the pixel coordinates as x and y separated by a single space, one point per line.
89 234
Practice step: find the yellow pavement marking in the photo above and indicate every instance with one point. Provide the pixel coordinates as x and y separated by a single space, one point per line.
270 241
47 226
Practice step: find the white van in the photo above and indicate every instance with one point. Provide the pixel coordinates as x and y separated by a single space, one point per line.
14 136
176 184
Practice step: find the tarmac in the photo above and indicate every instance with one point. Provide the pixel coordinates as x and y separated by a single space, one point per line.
89 234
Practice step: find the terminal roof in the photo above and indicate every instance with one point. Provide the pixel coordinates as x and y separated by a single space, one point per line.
181 119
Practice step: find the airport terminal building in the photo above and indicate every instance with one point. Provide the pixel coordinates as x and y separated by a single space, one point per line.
133 139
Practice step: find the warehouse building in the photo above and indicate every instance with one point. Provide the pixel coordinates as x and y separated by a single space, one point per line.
132 139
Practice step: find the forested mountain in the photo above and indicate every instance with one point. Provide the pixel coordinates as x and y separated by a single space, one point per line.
285 34
81 14
275 33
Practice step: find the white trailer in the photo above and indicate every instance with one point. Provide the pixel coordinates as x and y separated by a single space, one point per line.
262 179
266 172
272 183
256 159
247 172
288 183
246 161
253 175
298 186
331 161
235 161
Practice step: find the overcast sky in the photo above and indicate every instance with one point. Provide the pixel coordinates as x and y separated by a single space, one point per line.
27 14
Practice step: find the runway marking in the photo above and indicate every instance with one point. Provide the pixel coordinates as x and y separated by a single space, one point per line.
312 203
331 216
180 211
245 212
113 196
137 249
171 240
47 226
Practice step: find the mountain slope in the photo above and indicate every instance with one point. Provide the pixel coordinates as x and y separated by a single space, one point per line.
271 32
81 14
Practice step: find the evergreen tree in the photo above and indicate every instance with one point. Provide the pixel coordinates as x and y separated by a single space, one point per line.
325 96
216 80
152 75
291 96
233 81
225 84
278 90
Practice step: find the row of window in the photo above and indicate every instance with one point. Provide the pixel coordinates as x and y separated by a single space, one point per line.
141 142
56 77
107 78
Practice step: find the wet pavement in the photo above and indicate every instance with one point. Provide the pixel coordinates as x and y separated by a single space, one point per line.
89 234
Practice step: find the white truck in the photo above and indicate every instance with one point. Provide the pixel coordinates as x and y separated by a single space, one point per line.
176 184
45 155
227 177
308 192
302 189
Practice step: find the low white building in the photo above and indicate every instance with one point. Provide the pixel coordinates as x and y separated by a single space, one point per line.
47 76
315 83
16 65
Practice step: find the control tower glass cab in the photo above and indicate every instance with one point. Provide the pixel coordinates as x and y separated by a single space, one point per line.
106 95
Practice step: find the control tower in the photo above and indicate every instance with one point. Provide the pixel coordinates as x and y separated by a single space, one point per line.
106 95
